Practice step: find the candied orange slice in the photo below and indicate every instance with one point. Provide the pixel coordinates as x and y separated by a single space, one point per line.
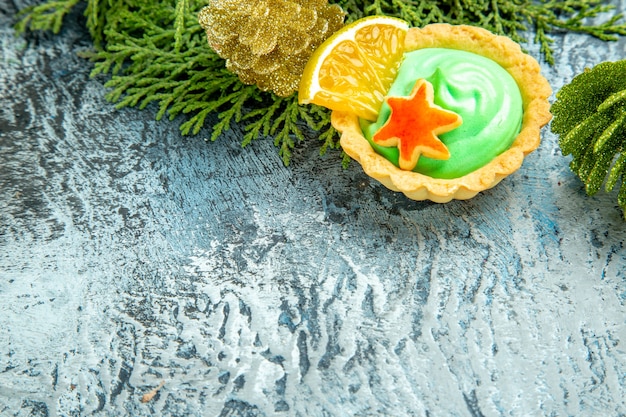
354 68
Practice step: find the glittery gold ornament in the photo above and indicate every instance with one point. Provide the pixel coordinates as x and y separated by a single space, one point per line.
268 42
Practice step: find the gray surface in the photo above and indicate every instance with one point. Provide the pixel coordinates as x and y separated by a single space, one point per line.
130 255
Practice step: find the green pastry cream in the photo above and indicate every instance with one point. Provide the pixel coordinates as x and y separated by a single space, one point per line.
476 88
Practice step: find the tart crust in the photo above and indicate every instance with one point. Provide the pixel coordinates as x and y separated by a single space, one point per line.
534 89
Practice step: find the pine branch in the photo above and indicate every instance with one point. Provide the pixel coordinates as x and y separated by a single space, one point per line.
505 17
46 16
156 52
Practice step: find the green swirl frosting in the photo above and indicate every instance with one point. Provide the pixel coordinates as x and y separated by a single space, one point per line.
476 88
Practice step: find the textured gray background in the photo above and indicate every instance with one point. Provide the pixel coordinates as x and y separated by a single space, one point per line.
130 255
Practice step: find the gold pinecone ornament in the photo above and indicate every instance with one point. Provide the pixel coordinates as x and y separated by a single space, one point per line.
268 42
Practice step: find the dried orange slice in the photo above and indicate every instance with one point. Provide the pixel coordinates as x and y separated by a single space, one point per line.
353 69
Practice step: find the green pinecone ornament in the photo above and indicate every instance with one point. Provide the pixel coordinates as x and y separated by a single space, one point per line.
268 42
590 119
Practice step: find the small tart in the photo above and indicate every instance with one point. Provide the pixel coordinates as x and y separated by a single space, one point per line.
534 89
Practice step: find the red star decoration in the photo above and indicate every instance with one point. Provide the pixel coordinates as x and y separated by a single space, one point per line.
414 124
